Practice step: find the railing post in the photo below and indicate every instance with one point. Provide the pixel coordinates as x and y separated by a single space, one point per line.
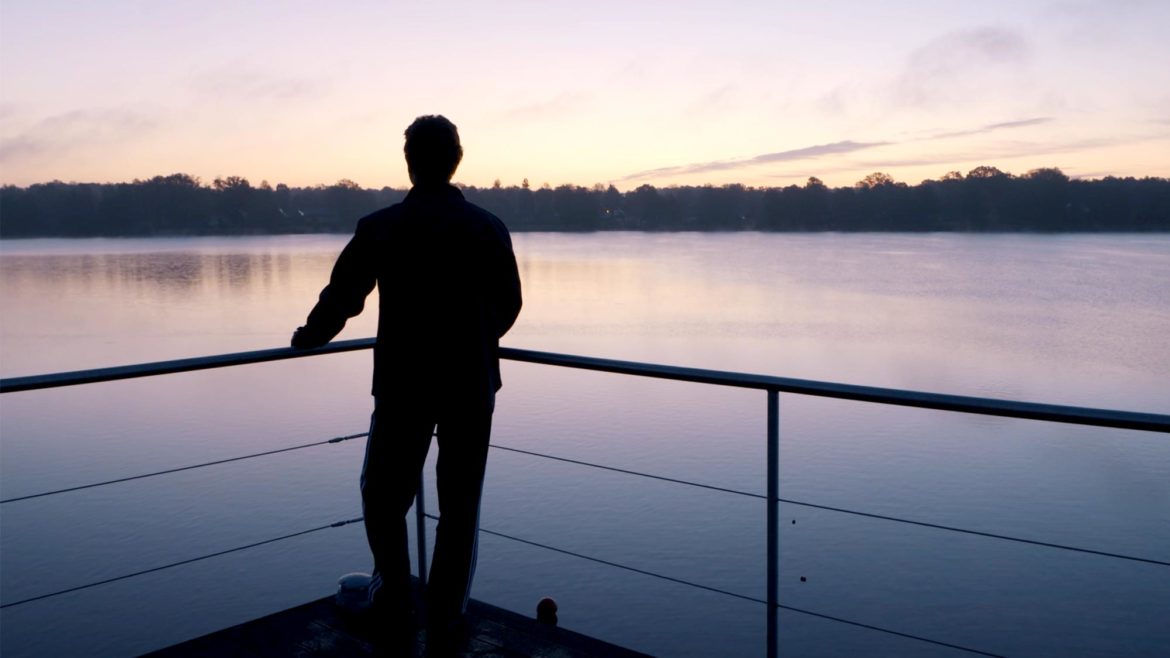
773 520
420 518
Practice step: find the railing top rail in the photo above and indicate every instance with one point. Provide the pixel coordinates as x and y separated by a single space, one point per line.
919 399
73 378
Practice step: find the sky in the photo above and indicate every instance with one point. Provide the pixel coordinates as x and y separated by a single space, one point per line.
628 93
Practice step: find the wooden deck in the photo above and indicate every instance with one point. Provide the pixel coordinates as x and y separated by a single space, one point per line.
322 630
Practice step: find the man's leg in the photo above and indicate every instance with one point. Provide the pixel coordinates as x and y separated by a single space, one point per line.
463 447
395 451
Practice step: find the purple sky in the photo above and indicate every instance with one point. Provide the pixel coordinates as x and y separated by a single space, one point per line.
762 93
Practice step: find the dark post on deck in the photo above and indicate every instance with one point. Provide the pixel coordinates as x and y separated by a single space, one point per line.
773 520
420 532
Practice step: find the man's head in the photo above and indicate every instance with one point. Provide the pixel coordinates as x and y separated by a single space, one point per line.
432 150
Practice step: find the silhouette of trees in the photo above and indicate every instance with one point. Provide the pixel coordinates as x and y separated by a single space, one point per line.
174 200
649 210
985 199
876 179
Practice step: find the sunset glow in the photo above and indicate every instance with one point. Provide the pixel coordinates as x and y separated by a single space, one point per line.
760 93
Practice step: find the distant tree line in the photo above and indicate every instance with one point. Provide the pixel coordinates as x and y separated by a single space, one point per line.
985 199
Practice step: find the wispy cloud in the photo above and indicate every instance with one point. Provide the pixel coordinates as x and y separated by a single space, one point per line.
805 153
1089 175
967 68
1096 23
548 108
242 84
996 153
992 127
65 133
816 151
945 69
850 146
714 100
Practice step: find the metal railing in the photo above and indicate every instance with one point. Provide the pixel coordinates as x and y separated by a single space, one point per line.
923 400
772 386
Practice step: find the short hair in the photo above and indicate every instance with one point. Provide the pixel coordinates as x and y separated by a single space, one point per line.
432 149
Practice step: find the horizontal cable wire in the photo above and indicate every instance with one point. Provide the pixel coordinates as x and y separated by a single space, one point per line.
339 524
886 630
883 517
614 469
724 592
613 564
629 472
217 462
979 533
180 563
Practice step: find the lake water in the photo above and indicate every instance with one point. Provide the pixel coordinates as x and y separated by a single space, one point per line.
1079 320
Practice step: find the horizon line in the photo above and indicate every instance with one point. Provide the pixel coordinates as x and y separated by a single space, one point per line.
201 182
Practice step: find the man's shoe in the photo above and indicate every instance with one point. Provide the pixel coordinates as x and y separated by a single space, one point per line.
395 638
446 639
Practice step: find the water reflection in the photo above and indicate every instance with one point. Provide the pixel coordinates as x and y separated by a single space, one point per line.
965 314
142 300
1080 320
173 276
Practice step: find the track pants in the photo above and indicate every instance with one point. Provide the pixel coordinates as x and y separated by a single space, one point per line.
400 436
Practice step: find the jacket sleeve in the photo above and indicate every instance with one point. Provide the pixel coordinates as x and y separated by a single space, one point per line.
507 299
353 278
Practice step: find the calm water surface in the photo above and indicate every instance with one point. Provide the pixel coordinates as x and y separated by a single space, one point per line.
1076 320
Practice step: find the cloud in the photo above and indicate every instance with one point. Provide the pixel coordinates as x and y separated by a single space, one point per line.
992 127
719 98
958 65
242 84
549 108
72 131
805 153
996 153
816 151
1098 23
1088 175
850 146
834 102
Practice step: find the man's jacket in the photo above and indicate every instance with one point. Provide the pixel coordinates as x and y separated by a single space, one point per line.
448 290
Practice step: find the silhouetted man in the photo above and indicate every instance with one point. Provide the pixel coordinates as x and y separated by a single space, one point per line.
448 289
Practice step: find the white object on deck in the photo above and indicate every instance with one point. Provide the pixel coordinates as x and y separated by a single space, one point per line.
353 591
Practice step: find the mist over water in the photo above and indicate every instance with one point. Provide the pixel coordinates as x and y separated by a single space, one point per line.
1064 319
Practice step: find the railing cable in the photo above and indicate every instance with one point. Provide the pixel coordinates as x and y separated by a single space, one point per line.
629 472
842 510
716 590
979 533
180 563
662 478
871 627
616 565
179 469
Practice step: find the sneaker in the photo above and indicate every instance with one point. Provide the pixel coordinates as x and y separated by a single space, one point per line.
446 639
395 638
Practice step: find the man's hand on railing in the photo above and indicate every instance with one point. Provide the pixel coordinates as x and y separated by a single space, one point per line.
303 339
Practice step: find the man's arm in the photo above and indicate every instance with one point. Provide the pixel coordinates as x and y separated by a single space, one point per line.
507 298
352 280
